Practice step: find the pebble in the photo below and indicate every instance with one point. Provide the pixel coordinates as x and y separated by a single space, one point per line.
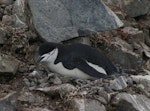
107 88
43 80
86 105
7 20
34 74
32 84
42 85
27 82
8 10
102 93
129 81
32 67
2 36
62 90
118 83
57 81
101 100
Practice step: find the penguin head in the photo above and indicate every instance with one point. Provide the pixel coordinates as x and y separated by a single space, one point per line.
47 52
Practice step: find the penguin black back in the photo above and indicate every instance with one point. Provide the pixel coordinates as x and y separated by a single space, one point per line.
88 53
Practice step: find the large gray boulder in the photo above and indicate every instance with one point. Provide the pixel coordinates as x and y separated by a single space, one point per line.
57 20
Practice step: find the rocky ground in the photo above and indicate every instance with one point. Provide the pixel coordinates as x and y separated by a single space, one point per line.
25 86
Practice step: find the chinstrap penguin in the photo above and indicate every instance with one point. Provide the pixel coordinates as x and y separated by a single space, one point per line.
75 60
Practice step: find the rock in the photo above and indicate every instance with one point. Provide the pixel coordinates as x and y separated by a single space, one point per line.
141 77
29 97
123 43
7 20
8 103
148 64
146 50
6 107
147 40
37 109
8 10
61 90
131 30
87 105
43 85
147 71
2 36
83 40
74 18
26 97
134 34
104 95
144 80
107 88
1 13
118 83
144 46
56 81
137 48
35 74
6 2
19 13
119 51
128 102
142 89
15 16
129 81
126 58
27 82
8 64
133 8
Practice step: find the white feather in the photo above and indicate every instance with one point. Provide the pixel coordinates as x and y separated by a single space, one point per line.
96 67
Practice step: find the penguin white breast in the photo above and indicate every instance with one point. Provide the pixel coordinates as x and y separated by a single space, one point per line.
76 73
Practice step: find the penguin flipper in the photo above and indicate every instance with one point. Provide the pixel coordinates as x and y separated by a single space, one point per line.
82 65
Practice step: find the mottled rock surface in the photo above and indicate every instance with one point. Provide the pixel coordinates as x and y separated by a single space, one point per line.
87 105
128 102
19 13
6 2
118 83
133 8
8 103
8 64
37 109
126 58
2 36
62 20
